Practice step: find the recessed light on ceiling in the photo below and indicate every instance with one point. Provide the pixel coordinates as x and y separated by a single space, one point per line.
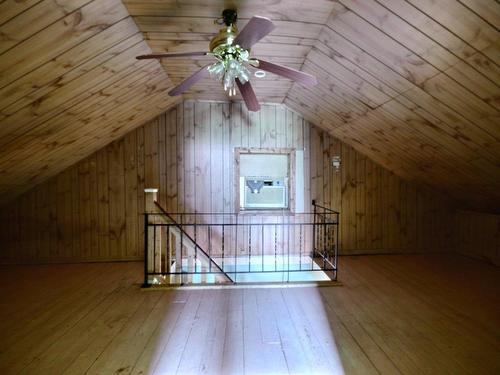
259 74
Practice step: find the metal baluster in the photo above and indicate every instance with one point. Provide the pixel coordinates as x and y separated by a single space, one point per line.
330 241
236 252
300 247
195 241
337 247
324 239
223 227
249 248
182 246
262 246
314 235
154 249
288 244
275 248
169 251
210 248
146 228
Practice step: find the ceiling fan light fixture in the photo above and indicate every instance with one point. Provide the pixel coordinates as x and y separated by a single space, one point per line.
232 52
231 65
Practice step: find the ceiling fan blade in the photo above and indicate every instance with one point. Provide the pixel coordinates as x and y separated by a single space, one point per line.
190 81
293 74
164 55
248 95
256 29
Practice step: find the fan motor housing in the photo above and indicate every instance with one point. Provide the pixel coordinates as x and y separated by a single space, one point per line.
225 36
229 16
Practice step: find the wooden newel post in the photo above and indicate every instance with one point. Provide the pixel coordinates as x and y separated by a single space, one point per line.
153 232
150 196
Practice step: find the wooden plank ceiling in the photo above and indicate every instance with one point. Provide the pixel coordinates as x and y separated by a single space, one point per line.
412 84
69 85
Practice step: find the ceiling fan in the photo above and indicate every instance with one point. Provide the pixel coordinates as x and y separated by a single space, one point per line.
232 52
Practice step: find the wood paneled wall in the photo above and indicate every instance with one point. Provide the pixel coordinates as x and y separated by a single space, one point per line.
412 84
380 213
92 211
477 235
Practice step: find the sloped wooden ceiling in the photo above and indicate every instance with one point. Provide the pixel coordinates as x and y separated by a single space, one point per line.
69 84
412 84
182 26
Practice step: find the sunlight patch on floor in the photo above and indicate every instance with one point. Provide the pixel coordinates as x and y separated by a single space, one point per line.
245 331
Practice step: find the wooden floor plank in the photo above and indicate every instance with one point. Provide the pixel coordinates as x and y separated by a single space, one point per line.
397 314
260 353
233 349
167 315
169 359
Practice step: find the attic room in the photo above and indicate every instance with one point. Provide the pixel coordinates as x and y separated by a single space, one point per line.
249 187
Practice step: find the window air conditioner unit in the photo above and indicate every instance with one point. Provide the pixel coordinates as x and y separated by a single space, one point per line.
263 192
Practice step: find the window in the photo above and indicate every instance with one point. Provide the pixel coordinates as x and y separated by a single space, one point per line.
266 179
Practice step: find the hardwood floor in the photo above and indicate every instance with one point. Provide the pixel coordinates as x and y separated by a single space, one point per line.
410 314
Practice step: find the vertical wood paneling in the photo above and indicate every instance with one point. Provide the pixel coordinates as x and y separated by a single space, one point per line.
162 158
411 213
94 202
53 221
180 158
360 201
306 232
43 223
171 156
369 206
380 213
84 201
316 165
327 193
477 235
268 126
93 211
116 175
227 159
236 139
403 222
64 228
280 126
376 225
131 209
202 168
151 162
102 204
140 186
75 212
189 149
216 169
24 249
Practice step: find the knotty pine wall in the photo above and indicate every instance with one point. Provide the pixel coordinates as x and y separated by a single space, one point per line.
380 213
478 235
92 211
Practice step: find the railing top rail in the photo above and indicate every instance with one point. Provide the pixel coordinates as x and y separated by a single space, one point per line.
327 216
246 213
276 224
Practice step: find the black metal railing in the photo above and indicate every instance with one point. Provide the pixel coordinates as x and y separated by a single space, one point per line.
183 248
